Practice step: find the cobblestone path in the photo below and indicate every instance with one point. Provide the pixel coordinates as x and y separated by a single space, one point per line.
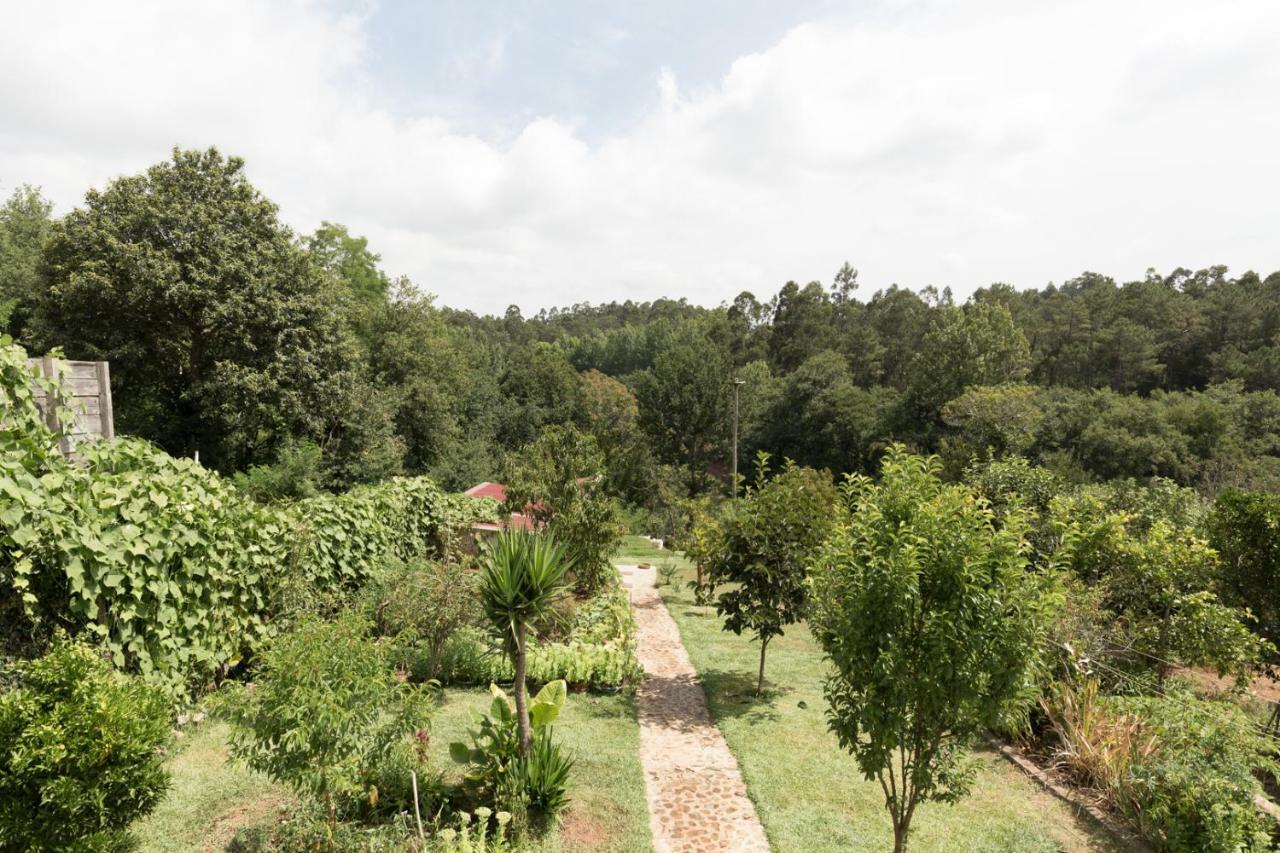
697 801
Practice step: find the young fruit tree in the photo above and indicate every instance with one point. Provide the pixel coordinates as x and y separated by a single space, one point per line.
933 624
521 580
761 547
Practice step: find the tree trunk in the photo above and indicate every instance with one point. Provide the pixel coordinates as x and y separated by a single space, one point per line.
522 701
899 838
764 644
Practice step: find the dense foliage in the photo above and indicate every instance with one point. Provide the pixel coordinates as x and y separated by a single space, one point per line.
1245 528
327 715
932 625
80 752
559 482
161 560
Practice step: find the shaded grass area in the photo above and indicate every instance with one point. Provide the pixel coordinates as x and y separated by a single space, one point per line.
608 810
210 798
809 794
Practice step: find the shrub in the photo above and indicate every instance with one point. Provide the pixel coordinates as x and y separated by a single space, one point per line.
327 715
296 474
80 752
515 779
1245 528
425 603
1195 791
164 563
1161 585
559 481
598 650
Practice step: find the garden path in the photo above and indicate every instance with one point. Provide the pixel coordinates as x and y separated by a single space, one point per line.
697 801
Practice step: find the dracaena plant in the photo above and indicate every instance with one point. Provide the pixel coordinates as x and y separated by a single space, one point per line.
522 579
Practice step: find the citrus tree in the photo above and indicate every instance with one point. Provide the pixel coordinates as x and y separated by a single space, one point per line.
932 625
761 547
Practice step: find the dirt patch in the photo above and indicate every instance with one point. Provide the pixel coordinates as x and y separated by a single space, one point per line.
580 831
225 826
1210 683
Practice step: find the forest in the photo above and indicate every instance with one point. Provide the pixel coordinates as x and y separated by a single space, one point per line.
299 358
1045 515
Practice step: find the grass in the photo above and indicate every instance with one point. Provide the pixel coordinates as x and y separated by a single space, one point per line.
808 793
211 797
608 811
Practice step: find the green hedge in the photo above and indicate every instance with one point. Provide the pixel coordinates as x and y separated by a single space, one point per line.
165 563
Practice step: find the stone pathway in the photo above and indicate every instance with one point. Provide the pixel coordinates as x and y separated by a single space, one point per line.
697 801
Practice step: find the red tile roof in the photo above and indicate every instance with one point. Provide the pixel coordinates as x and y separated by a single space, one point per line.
498 492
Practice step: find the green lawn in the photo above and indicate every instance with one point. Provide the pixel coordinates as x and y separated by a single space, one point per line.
608 811
809 794
211 797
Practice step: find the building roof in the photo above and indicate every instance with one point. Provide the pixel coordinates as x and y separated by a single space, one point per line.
498 492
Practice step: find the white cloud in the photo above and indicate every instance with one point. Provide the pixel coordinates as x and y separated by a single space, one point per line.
952 145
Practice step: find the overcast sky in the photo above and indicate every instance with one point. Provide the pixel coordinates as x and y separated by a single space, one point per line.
551 153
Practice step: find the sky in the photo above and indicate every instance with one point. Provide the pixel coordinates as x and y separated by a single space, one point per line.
548 154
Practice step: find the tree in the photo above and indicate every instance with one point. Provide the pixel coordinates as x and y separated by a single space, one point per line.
24 227
611 415
684 403
761 548
933 628
521 580
541 389
223 337
348 260
1245 529
802 325
558 481
976 345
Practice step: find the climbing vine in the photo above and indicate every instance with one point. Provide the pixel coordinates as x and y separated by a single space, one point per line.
163 562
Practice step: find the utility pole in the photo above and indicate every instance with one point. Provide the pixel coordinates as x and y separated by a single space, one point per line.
737 383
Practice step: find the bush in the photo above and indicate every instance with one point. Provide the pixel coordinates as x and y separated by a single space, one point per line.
537 781
328 716
559 481
1194 791
80 752
296 474
424 603
598 651
166 564
1161 585
1245 528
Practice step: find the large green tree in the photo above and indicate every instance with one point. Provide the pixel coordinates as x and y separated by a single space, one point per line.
223 336
24 227
933 628
685 403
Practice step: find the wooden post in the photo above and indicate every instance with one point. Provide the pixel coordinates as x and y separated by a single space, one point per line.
105 414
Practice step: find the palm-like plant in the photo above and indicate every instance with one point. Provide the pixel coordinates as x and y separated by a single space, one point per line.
523 577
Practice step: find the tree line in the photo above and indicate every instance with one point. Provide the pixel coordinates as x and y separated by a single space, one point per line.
299 362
